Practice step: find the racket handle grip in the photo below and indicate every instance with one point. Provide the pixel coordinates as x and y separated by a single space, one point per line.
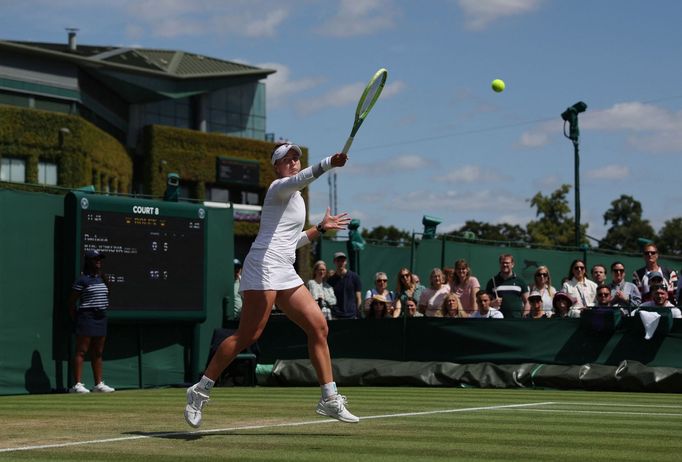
346 147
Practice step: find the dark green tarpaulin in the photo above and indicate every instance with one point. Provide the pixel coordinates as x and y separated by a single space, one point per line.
627 376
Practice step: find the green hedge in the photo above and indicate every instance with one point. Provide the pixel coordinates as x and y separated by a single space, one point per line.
34 135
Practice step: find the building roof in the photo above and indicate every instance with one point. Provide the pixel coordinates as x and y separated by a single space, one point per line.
168 63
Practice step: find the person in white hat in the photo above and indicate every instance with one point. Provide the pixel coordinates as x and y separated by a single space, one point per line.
268 276
537 310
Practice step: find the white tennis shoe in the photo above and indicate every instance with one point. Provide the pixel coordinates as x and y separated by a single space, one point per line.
103 388
196 400
335 407
79 388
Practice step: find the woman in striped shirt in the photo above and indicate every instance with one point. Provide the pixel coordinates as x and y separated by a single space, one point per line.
88 305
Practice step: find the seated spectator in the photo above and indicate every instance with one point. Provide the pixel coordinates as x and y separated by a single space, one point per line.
484 310
561 303
653 278
465 286
417 282
599 274
322 292
659 299
624 295
380 288
238 301
641 276
603 296
542 282
536 309
411 308
452 308
580 288
431 300
448 276
379 308
405 288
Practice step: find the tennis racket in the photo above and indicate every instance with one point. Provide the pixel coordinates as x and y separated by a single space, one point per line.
366 103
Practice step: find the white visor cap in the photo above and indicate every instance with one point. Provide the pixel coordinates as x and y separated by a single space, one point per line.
283 150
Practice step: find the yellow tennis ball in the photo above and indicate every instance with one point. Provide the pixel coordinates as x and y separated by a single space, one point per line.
498 85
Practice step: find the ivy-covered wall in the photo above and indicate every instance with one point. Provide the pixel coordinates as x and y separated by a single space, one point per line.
84 154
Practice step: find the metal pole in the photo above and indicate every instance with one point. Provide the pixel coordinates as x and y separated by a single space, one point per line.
335 203
577 192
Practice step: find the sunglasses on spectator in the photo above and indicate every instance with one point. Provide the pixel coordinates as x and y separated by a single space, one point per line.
603 294
382 280
618 270
581 268
542 275
405 275
650 253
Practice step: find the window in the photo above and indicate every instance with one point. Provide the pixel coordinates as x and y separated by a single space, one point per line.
217 194
12 169
47 173
250 198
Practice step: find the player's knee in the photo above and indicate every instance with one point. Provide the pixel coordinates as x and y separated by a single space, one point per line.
319 332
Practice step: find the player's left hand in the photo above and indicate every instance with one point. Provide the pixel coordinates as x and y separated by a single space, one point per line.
339 221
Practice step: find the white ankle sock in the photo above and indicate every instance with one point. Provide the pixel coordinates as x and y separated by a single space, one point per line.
206 383
328 390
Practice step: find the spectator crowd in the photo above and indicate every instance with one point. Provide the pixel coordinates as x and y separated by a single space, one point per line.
456 292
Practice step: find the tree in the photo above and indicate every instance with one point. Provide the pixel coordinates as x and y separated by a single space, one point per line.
388 235
669 240
554 226
627 225
498 232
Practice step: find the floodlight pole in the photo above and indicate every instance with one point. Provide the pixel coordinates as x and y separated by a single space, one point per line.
576 151
570 115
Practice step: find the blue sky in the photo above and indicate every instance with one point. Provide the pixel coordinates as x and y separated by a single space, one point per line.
439 141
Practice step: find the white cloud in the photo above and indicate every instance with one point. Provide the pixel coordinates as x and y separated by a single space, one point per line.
362 17
468 174
406 163
633 116
280 86
547 182
435 203
480 13
610 172
179 18
345 96
649 127
534 140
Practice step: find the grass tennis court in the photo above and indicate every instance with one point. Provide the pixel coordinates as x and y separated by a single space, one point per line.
397 424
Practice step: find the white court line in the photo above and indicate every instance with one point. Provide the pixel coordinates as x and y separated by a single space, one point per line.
582 403
258 427
631 413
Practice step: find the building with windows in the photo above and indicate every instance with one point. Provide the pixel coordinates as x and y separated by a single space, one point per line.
122 119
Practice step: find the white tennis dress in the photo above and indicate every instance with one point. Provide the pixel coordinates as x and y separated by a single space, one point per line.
269 264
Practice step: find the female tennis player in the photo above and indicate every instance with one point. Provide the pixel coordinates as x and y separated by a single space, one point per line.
268 277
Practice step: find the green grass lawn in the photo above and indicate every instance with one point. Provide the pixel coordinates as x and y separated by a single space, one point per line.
397 424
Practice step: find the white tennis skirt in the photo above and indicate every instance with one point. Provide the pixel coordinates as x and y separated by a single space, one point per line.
262 273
